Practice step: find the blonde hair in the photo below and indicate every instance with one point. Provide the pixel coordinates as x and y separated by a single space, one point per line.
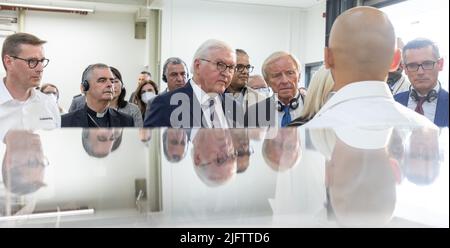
275 56
319 88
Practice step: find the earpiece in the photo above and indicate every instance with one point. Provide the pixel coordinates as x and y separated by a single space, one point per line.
431 96
84 81
293 104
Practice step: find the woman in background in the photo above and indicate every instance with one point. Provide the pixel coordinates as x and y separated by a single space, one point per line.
118 102
319 91
145 93
52 90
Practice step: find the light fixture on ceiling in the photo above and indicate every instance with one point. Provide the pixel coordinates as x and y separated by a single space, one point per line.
16 6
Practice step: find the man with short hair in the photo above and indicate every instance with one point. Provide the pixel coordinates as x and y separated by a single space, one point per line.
281 71
200 103
175 74
143 76
97 83
423 63
362 95
21 105
238 88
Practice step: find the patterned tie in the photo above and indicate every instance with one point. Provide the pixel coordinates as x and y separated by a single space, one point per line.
419 108
286 117
211 111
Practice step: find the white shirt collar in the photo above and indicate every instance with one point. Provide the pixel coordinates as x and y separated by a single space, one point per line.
363 89
5 96
201 95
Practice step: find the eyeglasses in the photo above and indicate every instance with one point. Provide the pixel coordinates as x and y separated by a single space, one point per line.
32 63
426 65
240 152
222 159
241 67
221 66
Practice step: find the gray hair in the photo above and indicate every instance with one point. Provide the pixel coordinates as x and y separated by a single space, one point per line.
174 61
421 43
205 48
275 56
87 73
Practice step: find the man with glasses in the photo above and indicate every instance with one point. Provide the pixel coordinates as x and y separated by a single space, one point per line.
98 86
360 53
201 102
423 63
21 105
238 89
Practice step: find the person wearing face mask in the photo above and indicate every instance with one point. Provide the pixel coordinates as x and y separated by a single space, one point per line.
146 90
52 90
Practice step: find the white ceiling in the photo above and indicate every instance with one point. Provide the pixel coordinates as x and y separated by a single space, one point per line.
284 3
133 5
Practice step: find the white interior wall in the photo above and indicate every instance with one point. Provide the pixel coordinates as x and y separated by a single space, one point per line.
260 30
314 34
75 41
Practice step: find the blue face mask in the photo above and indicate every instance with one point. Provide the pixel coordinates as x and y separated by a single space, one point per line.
266 91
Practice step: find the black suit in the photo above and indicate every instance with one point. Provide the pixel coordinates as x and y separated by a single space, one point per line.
185 105
79 118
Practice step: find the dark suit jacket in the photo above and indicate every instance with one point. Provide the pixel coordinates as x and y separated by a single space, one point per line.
79 118
441 117
180 108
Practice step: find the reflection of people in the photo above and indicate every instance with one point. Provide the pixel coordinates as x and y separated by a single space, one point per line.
360 175
282 152
101 142
175 144
24 162
214 156
362 95
241 143
422 156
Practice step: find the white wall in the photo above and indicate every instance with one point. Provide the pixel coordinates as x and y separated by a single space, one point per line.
314 34
260 30
75 41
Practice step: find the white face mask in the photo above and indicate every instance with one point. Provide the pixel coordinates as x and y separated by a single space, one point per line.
147 96
267 91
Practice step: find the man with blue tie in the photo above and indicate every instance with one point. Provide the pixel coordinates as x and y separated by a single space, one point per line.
201 102
281 70
426 96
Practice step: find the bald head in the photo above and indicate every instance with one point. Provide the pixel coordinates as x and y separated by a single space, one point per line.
361 46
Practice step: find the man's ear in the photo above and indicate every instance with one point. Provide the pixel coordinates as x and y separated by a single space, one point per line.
7 60
396 60
328 58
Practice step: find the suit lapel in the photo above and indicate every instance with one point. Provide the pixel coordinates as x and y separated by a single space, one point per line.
441 113
81 118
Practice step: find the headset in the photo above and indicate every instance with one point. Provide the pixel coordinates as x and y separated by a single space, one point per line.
293 103
84 81
431 96
176 61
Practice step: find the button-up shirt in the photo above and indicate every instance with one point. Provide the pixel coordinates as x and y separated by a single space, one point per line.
203 98
366 103
429 108
39 111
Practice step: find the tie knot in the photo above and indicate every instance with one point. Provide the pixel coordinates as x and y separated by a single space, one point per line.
286 108
422 99
211 102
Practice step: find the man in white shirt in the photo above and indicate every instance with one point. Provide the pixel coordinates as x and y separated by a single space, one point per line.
21 105
201 102
360 54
